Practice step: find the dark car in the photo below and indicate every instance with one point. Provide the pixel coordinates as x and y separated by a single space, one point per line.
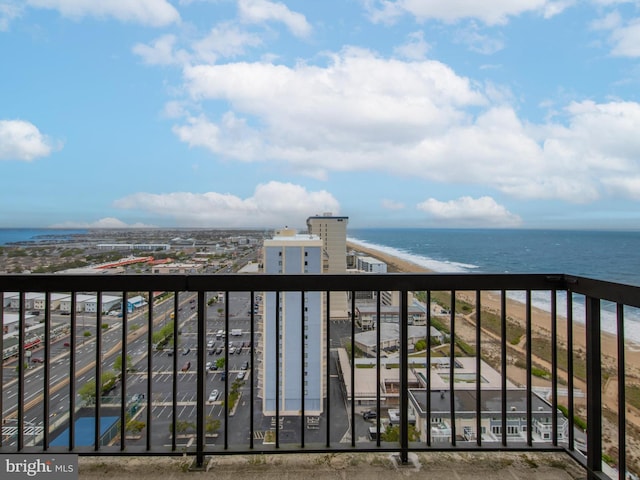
223 375
369 415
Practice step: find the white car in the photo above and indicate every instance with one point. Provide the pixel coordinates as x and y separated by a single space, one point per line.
241 374
214 396
210 343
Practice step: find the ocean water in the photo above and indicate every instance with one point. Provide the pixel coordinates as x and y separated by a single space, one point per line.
12 235
605 255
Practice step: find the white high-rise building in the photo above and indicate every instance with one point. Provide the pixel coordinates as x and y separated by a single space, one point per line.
332 230
297 340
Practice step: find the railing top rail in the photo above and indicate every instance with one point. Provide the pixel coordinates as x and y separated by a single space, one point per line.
269 282
615 292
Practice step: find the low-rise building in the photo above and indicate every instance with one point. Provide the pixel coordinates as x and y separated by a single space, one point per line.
441 429
370 265
367 315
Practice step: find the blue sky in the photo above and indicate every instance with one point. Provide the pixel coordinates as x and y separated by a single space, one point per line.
259 113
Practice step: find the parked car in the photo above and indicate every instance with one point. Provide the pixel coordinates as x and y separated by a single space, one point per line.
244 366
186 367
223 375
185 351
241 375
232 350
213 396
37 360
210 344
370 415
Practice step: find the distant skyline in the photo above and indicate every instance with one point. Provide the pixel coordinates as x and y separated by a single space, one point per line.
259 113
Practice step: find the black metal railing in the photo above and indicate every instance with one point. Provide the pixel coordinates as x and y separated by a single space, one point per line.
97 383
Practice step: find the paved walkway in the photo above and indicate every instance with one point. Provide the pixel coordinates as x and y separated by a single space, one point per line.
343 466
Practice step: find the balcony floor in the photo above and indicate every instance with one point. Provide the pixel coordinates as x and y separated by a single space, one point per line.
354 466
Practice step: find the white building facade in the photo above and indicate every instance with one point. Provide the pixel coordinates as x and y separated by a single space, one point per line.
293 327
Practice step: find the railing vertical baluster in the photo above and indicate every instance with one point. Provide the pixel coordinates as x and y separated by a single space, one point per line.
404 377
21 372
378 369
123 373
594 386
554 368
149 393
302 369
46 401
503 362
200 380
252 301
72 373
478 369
277 366
428 370
98 370
328 368
570 384
529 363
353 368
2 419
622 402
226 369
174 373
452 365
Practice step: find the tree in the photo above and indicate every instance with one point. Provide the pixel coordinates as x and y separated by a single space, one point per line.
212 425
117 363
220 363
134 426
392 434
88 390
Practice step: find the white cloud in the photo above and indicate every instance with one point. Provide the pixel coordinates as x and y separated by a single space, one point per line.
8 11
624 34
470 212
20 140
160 51
155 13
626 39
224 40
273 203
416 47
259 11
391 204
107 222
420 119
479 42
490 12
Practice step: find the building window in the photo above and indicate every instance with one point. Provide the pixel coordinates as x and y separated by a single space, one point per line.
496 430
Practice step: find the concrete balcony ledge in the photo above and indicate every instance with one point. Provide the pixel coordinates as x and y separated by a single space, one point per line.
352 466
